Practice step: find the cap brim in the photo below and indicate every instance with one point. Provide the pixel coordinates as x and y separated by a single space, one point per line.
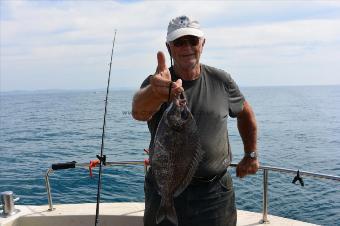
183 32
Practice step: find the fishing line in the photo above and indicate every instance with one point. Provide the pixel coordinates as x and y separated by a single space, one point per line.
102 157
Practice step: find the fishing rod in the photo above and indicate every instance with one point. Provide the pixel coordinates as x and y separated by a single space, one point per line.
102 157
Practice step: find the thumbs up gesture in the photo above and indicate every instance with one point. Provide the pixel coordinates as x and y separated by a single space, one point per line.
161 81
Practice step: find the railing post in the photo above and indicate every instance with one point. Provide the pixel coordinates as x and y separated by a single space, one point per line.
48 189
265 197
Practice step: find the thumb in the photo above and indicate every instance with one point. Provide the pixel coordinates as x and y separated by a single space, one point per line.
161 61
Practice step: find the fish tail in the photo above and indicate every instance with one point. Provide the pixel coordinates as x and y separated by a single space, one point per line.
167 210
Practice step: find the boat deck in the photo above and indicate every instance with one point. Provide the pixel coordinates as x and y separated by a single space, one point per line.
119 214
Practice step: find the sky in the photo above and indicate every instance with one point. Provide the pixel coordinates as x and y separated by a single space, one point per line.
67 44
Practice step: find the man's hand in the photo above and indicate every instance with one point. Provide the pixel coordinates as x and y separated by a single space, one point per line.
247 166
161 81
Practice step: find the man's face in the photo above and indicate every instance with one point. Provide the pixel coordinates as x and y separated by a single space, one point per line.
186 51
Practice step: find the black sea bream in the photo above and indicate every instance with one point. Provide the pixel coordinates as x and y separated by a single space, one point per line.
175 155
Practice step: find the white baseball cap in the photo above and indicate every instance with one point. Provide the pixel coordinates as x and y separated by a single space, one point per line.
181 26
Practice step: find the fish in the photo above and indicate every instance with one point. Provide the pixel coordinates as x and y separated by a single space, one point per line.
174 156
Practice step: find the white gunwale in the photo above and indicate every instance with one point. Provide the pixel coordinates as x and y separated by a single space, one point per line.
112 214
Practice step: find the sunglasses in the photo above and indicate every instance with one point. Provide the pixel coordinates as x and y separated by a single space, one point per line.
192 40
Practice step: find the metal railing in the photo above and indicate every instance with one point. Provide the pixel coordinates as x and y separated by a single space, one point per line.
68 165
265 170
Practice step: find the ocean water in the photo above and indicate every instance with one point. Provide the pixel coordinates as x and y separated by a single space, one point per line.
299 128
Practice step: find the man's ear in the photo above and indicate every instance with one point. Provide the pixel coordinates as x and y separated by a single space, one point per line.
168 47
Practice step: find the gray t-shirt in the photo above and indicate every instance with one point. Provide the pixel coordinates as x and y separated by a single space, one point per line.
210 98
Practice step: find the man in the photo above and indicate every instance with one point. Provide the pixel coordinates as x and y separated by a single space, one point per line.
211 96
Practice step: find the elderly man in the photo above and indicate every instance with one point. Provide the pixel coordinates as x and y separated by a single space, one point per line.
212 96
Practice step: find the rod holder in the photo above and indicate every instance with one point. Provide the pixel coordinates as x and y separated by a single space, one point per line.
8 201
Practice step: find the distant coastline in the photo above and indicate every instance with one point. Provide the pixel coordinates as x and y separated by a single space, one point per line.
67 90
135 88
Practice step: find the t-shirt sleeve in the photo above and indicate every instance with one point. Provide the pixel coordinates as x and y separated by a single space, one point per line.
235 97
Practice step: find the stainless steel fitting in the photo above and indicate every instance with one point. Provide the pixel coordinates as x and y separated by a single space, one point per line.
8 207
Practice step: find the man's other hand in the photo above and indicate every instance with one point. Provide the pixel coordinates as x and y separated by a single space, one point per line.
247 166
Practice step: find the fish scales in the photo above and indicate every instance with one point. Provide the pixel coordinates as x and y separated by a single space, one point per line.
175 155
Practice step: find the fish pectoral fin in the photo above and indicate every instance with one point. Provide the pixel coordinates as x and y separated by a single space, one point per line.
167 210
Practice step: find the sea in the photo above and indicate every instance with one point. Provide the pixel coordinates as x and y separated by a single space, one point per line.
298 128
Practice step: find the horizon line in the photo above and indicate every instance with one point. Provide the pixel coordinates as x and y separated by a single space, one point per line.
130 88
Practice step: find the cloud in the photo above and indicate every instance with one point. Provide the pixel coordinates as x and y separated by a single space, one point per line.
279 40
67 44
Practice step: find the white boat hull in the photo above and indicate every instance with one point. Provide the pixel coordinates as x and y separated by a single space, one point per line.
111 214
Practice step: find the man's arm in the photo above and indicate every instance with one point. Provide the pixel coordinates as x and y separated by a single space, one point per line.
247 127
145 103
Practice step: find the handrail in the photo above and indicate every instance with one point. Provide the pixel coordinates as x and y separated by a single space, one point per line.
265 169
306 173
